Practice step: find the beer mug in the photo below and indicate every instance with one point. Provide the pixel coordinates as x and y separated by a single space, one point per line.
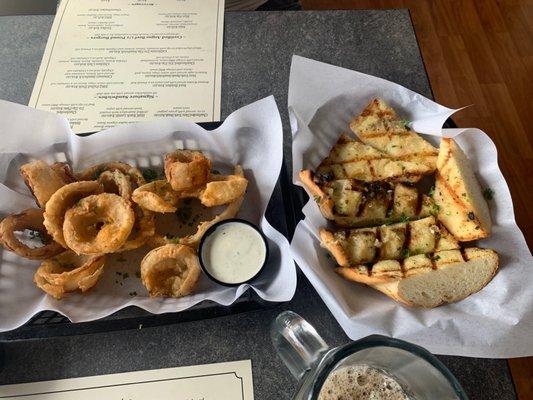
373 367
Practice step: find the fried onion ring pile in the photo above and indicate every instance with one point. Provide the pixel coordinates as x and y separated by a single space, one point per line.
186 169
172 270
109 208
69 272
43 180
98 224
31 219
61 201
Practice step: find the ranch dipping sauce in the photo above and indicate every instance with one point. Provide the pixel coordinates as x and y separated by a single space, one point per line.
233 252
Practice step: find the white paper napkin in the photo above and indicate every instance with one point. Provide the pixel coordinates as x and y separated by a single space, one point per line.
497 321
27 133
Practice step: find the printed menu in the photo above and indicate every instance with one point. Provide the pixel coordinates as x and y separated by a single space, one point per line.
228 381
110 62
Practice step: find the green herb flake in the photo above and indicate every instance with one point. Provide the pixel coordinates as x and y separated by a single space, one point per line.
435 208
488 193
406 253
317 198
431 191
404 218
435 257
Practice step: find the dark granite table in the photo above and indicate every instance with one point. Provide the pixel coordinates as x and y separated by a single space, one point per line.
257 53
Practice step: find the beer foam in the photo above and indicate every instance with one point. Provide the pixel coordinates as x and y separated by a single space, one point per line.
361 382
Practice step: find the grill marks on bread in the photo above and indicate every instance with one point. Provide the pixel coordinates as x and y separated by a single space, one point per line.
351 203
462 207
354 247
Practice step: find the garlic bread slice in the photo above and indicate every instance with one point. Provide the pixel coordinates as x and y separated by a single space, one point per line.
353 247
351 159
379 126
458 195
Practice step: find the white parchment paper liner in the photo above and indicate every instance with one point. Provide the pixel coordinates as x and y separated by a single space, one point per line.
243 138
497 321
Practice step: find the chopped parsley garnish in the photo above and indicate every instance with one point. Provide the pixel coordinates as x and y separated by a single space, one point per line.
172 239
317 198
150 175
404 218
436 257
431 191
405 123
488 193
406 253
435 209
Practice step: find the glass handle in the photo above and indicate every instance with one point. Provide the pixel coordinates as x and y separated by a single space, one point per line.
297 343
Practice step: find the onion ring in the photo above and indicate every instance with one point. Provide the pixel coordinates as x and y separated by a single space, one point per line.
143 229
43 180
156 196
98 224
223 191
186 169
31 219
94 172
170 271
116 182
64 171
69 272
61 201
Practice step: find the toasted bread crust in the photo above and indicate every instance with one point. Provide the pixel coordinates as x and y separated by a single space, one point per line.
324 202
334 247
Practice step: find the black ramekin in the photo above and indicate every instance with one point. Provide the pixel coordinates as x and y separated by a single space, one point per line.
211 230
